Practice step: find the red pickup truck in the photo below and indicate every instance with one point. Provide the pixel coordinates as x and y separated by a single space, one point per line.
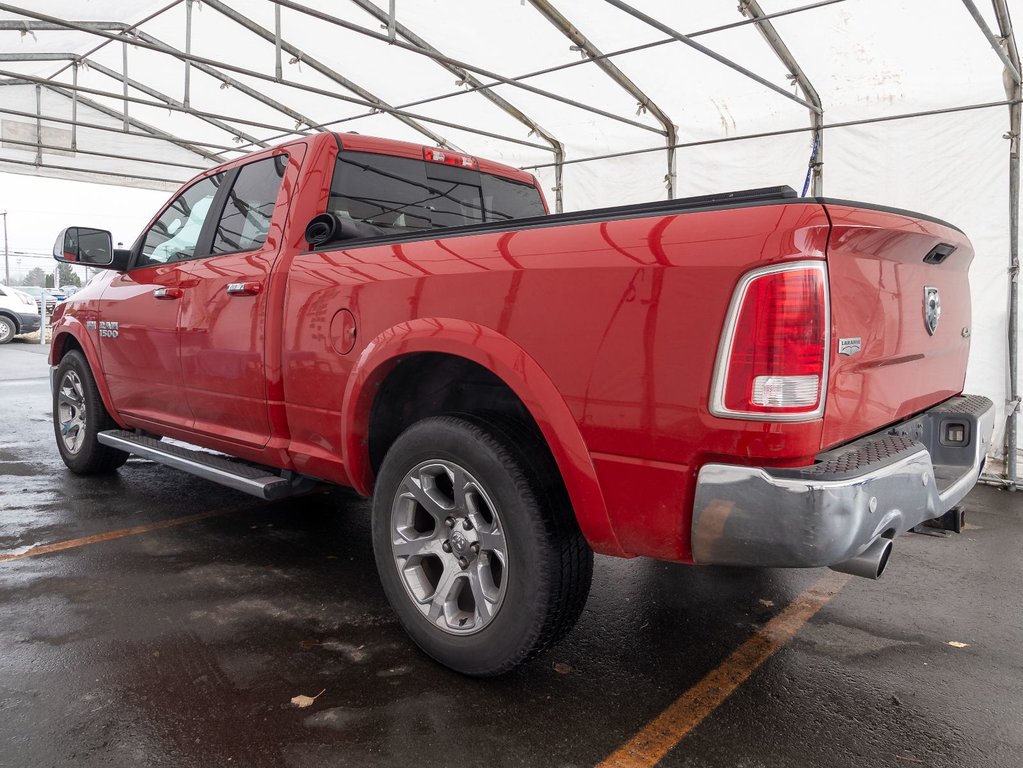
750 379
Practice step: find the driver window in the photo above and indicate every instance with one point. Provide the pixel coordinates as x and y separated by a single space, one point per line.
174 235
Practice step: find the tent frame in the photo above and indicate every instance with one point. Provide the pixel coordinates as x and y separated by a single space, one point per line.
471 79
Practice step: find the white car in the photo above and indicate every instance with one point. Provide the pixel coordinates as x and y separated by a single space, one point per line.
19 313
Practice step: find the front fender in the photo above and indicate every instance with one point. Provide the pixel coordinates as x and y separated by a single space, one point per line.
70 327
513 365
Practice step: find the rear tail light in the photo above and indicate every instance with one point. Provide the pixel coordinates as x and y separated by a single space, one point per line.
772 362
450 158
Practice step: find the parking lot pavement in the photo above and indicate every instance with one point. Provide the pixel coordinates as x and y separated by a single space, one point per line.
165 621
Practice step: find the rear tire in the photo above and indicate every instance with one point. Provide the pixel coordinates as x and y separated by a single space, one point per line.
483 490
79 416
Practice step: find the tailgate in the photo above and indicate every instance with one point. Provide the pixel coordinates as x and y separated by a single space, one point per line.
886 364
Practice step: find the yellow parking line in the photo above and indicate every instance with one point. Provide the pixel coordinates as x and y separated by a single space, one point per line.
665 731
60 546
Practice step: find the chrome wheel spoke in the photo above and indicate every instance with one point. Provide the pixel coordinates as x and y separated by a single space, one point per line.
484 593
422 488
493 541
443 592
425 545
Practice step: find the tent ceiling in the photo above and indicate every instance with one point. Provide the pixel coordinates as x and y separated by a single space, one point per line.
151 92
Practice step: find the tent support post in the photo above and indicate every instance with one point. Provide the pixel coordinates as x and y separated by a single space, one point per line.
1006 47
124 73
188 49
74 106
39 125
471 80
278 66
646 104
752 9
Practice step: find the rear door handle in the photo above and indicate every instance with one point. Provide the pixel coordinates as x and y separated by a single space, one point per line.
244 289
168 294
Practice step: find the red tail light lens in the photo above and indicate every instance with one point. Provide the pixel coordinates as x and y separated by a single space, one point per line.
450 158
775 356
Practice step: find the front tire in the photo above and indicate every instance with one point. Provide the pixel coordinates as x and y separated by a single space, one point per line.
476 544
7 329
79 416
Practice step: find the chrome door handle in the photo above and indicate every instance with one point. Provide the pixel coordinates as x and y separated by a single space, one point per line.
244 289
168 294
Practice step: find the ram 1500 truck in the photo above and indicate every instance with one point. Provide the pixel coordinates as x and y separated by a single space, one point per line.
751 379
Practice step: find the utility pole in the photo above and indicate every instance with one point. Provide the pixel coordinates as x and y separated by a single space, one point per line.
7 267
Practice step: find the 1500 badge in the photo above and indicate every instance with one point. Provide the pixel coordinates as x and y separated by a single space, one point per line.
108 329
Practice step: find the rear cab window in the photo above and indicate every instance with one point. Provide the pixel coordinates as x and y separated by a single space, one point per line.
400 194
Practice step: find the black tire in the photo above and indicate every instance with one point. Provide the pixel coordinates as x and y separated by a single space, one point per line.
77 404
548 565
8 330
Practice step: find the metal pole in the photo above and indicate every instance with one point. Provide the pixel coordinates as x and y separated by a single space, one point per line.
42 315
74 106
278 65
486 87
124 72
100 31
471 80
573 33
767 30
391 25
781 132
1014 91
996 44
39 125
702 49
188 49
316 14
7 266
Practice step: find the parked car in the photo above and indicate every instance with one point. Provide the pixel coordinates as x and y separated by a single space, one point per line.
19 313
750 379
52 297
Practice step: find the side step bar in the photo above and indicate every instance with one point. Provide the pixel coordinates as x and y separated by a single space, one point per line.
254 480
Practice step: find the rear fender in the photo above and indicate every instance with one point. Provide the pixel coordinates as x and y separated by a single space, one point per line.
514 367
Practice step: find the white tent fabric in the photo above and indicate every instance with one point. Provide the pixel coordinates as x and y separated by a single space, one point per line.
866 59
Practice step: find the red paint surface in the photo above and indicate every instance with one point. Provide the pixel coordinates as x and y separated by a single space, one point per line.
607 331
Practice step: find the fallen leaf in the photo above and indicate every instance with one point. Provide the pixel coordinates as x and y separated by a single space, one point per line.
562 668
957 644
303 701
766 603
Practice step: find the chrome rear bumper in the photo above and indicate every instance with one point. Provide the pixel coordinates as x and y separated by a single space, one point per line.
824 514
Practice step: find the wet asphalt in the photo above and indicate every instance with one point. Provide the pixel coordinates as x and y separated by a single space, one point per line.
184 646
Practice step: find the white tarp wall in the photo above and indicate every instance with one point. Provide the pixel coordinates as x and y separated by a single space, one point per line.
865 58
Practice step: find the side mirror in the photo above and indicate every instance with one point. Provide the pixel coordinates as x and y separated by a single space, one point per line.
89 247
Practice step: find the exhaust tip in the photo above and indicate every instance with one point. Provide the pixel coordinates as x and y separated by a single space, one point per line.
870 563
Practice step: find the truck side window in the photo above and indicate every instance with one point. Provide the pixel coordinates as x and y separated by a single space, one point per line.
250 206
175 233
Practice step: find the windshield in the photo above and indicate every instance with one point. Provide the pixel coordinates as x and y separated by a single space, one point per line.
405 194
